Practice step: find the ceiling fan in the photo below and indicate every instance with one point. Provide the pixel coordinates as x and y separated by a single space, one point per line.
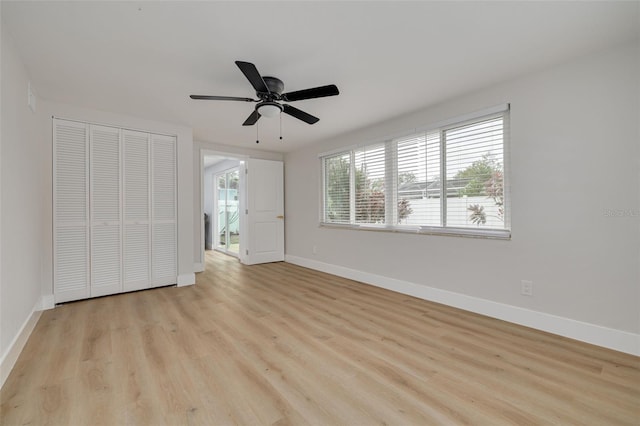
270 97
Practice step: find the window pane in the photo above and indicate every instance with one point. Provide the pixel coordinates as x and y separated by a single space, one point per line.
419 179
474 183
369 184
337 188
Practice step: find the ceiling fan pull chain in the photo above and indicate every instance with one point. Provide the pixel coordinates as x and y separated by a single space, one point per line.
280 125
257 136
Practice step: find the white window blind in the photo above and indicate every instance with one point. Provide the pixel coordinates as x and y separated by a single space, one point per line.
369 184
418 187
337 188
474 154
445 180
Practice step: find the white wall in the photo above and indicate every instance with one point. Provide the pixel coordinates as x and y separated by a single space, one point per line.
575 146
23 201
185 183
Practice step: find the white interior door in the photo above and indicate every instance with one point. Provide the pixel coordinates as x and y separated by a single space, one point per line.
265 212
137 226
70 210
163 212
106 232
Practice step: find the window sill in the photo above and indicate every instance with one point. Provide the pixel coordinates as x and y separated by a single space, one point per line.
492 234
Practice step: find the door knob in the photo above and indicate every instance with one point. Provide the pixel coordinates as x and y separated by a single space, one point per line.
280 217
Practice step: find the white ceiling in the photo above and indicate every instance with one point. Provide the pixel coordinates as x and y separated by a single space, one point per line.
387 58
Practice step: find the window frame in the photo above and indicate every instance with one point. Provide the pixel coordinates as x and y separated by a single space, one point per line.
391 179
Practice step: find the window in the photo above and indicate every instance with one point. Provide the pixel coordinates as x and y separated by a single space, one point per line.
449 179
337 189
369 180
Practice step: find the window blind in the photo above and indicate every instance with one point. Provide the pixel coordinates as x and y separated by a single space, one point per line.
337 188
370 184
474 173
418 183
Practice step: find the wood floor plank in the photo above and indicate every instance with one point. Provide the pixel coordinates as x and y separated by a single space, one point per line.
278 344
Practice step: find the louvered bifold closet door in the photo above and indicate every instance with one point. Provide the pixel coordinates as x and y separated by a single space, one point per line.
106 253
70 210
163 221
137 223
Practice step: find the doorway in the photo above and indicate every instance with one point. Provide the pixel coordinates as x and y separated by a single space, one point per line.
223 199
227 211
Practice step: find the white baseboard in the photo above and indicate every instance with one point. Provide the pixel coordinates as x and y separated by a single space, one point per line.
186 279
48 302
10 356
590 333
198 267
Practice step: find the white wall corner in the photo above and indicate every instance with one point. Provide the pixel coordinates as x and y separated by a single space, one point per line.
12 353
186 279
198 267
590 333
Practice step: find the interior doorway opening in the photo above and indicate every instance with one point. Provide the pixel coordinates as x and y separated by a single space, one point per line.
222 201
227 211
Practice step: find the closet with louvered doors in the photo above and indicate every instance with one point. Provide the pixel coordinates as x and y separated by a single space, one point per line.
114 210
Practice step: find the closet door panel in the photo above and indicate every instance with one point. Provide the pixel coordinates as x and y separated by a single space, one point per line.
163 220
164 254
106 259
71 276
70 210
136 176
164 177
105 174
137 203
137 259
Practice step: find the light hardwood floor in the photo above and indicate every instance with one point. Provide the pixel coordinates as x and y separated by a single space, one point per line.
280 344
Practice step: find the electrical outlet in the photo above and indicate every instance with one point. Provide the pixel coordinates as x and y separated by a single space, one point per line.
314 250
526 288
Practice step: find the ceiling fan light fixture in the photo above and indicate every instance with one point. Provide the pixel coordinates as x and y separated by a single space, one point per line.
269 109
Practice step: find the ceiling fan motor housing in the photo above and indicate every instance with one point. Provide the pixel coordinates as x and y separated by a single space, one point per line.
275 86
